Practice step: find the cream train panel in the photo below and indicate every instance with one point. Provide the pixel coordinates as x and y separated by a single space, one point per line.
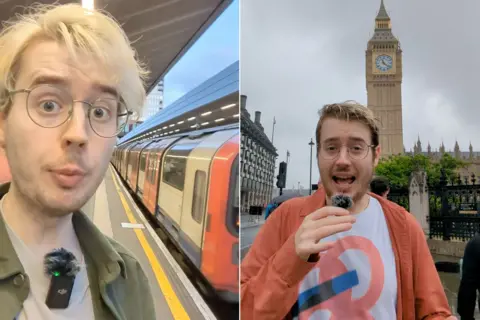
173 182
196 194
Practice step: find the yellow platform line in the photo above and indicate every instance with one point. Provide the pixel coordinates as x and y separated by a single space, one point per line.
174 303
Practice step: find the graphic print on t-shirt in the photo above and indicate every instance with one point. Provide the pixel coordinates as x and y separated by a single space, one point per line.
355 279
340 302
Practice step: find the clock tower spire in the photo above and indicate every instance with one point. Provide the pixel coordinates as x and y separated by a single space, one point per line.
383 20
384 82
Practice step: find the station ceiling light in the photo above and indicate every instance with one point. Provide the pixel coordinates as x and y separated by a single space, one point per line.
228 106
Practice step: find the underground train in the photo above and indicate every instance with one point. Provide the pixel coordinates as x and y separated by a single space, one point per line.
189 184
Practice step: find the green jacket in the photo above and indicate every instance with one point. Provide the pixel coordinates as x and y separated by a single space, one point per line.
119 287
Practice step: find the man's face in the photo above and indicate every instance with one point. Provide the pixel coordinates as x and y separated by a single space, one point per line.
344 174
57 169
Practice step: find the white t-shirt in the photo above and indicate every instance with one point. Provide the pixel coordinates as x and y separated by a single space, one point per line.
356 279
34 307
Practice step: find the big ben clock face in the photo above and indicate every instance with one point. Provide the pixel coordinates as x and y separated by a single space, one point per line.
384 62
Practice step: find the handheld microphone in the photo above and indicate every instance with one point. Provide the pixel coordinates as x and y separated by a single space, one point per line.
342 201
339 200
62 266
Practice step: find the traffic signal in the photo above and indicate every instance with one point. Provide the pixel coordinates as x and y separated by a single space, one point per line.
282 175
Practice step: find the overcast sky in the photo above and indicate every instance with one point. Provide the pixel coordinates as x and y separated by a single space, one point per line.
297 57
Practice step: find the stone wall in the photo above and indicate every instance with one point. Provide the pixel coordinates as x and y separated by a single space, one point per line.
447 248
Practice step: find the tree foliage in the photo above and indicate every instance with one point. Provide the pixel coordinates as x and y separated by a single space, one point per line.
398 168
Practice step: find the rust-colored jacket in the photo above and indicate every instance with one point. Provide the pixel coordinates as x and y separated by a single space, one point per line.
271 271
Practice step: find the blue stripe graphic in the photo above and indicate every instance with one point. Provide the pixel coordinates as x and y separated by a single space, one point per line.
338 285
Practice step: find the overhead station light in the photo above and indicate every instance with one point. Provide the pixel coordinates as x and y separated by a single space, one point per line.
228 106
160 131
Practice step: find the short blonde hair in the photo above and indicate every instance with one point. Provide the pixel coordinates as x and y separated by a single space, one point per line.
94 33
349 111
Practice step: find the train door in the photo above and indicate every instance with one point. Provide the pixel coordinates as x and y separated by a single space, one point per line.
130 161
149 174
156 151
173 184
220 250
119 159
125 160
135 154
141 170
195 194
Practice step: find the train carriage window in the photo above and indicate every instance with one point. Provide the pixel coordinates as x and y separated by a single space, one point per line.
143 162
174 168
198 202
150 169
175 163
151 177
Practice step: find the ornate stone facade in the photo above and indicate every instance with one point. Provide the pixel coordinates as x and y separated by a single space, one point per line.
470 156
384 83
257 160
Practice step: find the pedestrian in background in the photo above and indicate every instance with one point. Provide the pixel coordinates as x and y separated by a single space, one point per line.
381 186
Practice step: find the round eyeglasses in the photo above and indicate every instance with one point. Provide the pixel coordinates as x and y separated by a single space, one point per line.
356 150
49 107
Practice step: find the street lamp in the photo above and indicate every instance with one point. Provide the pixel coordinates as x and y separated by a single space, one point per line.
311 144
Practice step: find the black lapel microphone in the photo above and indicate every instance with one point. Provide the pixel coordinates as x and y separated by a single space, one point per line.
62 266
342 201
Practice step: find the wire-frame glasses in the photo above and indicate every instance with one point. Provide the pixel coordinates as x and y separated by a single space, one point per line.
50 106
356 150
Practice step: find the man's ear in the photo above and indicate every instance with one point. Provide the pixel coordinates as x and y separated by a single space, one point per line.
376 154
3 124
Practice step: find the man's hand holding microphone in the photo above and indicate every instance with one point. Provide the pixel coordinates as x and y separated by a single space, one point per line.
320 224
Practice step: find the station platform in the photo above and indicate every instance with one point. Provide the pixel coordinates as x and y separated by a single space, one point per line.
175 296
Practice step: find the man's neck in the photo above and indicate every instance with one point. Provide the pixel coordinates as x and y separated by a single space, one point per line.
360 205
33 225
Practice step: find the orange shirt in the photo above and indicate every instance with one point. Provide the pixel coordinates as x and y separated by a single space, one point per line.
271 271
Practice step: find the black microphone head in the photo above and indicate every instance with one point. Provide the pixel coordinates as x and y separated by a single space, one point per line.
61 262
342 201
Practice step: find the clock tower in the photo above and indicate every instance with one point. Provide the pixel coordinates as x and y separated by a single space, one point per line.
384 83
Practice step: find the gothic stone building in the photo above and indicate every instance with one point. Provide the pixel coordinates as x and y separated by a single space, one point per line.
384 83
472 158
257 160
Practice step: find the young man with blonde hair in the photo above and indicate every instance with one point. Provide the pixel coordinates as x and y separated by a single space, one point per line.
69 82
342 253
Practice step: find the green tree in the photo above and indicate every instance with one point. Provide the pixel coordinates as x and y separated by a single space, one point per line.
397 168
